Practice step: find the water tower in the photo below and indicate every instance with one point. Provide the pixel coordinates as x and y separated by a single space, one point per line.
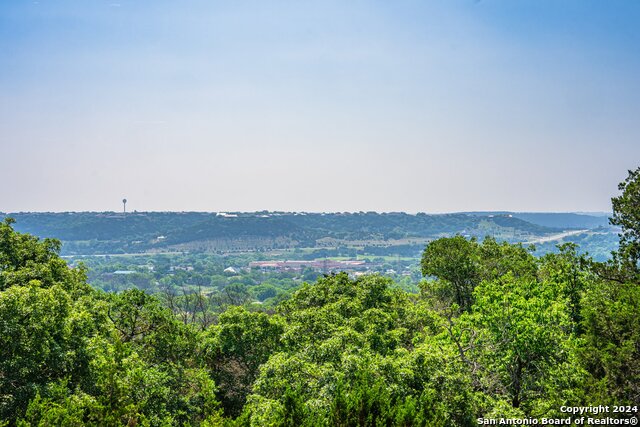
124 206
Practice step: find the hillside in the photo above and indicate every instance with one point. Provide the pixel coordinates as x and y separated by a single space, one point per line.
109 232
563 220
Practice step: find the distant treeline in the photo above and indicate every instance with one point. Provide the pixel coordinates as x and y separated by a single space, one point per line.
109 232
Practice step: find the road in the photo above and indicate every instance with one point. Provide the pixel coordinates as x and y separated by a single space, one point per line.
555 237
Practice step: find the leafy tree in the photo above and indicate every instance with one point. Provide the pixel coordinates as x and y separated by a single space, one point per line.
498 259
140 319
35 343
461 264
610 308
72 356
517 333
568 271
127 391
27 260
626 214
234 294
46 315
234 350
346 356
453 260
611 351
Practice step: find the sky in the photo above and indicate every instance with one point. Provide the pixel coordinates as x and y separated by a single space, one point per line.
346 105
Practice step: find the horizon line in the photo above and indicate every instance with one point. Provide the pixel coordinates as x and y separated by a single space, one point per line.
499 212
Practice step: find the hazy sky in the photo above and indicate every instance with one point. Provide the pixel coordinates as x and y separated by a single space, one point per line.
342 105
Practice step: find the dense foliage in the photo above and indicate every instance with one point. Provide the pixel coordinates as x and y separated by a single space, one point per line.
493 332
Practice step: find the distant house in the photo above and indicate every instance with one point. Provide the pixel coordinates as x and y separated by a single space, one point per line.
226 215
230 270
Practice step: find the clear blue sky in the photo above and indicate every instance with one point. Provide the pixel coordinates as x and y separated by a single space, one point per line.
430 106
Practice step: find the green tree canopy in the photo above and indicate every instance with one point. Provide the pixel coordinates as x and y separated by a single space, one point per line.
626 214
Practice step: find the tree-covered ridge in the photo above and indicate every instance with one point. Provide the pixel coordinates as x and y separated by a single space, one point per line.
494 332
109 232
562 220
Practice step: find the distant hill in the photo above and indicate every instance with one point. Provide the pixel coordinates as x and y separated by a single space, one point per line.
565 221
109 232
